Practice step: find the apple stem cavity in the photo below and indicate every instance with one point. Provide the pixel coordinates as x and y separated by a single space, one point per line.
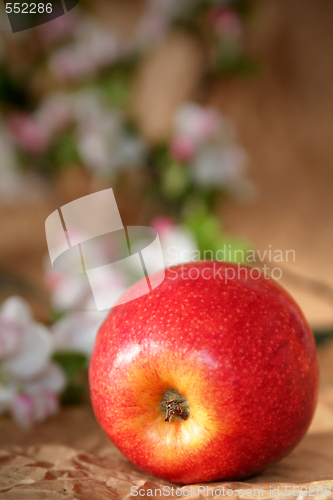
174 405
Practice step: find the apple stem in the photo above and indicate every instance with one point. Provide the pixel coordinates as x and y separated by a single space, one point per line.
174 405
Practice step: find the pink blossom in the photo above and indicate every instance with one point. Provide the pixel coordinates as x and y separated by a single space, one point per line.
71 63
93 47
182 148
151 29
77 331
197 123
103 48
30 408
58 29
54 115
69 291
46 404
27 133
31 381
15 317
23 409
225 21
177 241
163 225
10 334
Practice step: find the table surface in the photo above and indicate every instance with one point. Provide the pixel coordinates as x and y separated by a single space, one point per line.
69 457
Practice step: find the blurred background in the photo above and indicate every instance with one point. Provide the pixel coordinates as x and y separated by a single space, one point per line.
212 121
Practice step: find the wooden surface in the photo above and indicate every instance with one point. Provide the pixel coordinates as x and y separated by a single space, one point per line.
284 115
69 457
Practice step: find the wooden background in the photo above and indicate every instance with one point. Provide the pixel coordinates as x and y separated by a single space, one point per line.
284 115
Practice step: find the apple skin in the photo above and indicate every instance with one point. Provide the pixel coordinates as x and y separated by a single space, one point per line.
239 350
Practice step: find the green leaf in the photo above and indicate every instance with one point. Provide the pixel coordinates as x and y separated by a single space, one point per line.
235 63
174 180
234 249
322 336
73 394
64 150
205 227
12 92
117 88
212 242
71 362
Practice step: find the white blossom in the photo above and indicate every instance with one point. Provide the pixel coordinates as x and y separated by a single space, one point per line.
103 142
93 48
77 331
177 243
29 381
207 142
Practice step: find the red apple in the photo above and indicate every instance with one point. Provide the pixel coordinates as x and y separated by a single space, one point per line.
211 376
